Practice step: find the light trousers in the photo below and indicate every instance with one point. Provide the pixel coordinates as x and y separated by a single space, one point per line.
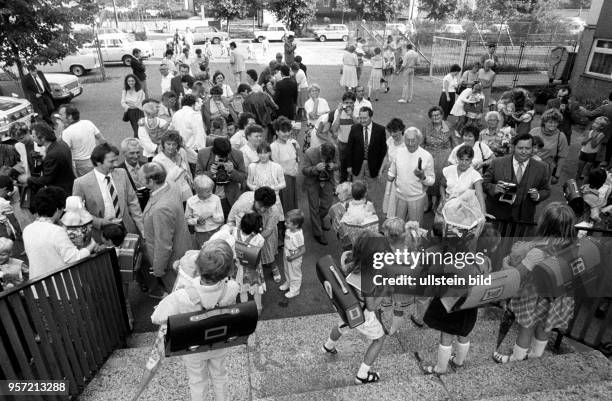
293 273
200 367
411 210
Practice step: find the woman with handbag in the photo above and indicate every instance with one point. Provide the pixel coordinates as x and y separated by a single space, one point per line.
449 89
483 155
555 149
132 96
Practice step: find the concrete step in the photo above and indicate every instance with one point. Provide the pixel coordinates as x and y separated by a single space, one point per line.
598 391
121 374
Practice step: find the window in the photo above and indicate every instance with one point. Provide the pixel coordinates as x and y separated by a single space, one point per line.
600 59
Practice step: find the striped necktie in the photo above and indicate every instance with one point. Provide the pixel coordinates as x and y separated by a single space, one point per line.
114 196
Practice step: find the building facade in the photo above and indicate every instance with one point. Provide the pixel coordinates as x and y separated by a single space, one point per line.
592 72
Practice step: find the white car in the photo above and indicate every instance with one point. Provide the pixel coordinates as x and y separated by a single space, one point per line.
273 32
79 63
64 87
117 48
332 32
12 110
453 29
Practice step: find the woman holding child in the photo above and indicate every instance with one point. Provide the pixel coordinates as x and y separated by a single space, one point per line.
174 159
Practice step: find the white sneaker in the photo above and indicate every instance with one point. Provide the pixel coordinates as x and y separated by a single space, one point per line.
401 101
292 294
284 286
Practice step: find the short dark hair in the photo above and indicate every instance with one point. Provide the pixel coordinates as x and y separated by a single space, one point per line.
522 137
221 146
137 86
216 90
348 96
282 124
395 125
248 131
264 147
7 183
233 45
244 87
295 216
455 68
31 67
251 223
295 66
171 136
100 151
243 119
169 52
328 151
266 196
298 59
44 131
366 109
189 100
253 74
471 129
597 178
154 171
135 51
359 190
49 200
184 66
115 233
284 70
434 108
168 95
465 150
216 74
189 80
73 112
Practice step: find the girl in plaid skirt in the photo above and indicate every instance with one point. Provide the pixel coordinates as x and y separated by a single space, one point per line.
537 315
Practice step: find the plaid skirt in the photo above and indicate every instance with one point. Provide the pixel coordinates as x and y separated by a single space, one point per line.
531 309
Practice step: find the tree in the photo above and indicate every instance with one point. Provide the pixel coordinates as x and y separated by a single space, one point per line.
295 13
230 9
378 10
439 10
41 31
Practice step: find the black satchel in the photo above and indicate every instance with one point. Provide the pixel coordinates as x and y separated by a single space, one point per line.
126 117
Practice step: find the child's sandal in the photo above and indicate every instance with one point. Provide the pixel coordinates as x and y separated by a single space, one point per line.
429 369
332 351
454 365
500 358
373 377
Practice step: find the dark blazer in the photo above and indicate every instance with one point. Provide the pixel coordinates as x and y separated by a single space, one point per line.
286 97
177 87
261 105
523 209
31 89
232 190
56 168
377 149
138 69
312 157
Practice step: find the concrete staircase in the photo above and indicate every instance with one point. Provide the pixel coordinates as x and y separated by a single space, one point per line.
283 361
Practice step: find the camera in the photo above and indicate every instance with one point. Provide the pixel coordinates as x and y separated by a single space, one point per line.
221 177
327 174
37 161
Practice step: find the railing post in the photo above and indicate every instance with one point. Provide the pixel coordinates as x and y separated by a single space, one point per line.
518 65
433 57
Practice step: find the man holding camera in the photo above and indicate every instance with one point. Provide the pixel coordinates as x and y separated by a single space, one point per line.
320 163
225 166
569 108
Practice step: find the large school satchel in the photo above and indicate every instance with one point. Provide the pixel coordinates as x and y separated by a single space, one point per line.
341 294
247 255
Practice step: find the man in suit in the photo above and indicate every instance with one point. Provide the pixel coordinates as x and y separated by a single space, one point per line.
131 149
286 94
176 85
56 166
38 92
108 193
165 228
138 69
210 159
569 108
319 166
530 177
366 149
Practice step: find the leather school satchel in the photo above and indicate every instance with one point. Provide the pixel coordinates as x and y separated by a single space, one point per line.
248 255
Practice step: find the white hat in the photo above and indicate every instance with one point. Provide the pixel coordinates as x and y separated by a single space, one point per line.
75 212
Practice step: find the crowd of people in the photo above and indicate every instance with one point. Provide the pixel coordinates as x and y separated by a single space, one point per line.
212 167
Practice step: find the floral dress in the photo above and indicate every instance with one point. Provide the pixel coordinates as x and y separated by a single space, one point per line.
499 140
438 143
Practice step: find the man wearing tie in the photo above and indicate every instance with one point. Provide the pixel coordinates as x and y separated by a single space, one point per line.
108 194
366 150
515 184
38 92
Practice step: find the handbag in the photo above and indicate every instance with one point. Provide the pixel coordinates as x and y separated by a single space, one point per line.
126 117
460 88
25 196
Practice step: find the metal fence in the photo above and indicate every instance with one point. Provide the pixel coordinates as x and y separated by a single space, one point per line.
63 325
445 52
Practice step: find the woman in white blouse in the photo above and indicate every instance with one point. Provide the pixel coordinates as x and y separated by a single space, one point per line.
483 155
395 130
219 79
254 137
173 157
285 151
47 244
449 90
266 173
132 96
300 77
315 106
151 129
461 177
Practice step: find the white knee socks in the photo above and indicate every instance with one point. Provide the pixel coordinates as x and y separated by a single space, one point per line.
462 351
362 373
518 353
330 344
537 348
444 354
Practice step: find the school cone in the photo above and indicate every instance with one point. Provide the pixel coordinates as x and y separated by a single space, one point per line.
153 363
507 321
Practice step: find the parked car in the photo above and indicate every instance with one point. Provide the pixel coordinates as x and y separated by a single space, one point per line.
201 33
64 87
332 32
117 48
79 63
12 110
451 29
272 32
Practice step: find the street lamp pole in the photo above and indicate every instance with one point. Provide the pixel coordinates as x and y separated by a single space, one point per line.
102 71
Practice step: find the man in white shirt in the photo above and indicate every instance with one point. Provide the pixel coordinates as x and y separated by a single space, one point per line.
360 102
237 63
188 122
80 136
413 172
108 193
251 79
166 77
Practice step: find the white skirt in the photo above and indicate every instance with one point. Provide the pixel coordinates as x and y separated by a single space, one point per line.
349 76
389 205
375 77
